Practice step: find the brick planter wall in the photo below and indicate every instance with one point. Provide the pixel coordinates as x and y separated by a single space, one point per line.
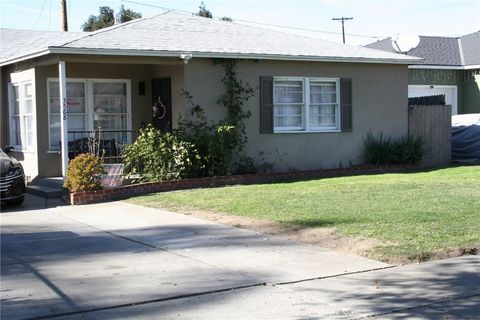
124 192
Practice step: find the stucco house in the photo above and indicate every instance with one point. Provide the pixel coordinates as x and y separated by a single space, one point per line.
315 100
451 67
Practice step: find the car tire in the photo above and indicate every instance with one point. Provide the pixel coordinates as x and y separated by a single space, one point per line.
16 202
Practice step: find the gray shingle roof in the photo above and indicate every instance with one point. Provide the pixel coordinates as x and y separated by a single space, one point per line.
173 32
471 48
14 43
444 51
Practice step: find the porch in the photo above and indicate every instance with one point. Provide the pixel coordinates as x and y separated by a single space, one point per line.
105 104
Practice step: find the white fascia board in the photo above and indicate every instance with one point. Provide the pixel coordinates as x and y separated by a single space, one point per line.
24 57
176 54
439 67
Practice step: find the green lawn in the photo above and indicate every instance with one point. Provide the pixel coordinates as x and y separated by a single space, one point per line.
417 213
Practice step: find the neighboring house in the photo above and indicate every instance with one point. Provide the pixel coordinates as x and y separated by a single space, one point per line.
319 99
451 67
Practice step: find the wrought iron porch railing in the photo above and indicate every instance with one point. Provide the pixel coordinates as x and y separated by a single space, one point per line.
108 144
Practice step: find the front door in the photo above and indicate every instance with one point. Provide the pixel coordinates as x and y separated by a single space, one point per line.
162 104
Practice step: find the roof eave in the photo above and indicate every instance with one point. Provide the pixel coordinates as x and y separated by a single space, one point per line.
24 57
176 54
442 67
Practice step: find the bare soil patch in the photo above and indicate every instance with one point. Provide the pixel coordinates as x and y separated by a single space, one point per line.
325 237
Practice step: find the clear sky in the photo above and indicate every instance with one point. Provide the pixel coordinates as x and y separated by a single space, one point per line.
373 19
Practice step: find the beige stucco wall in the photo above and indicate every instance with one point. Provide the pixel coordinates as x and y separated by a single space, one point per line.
379 104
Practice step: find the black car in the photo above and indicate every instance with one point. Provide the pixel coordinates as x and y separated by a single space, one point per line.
12 179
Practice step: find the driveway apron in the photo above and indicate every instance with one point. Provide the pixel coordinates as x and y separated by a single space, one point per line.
119 260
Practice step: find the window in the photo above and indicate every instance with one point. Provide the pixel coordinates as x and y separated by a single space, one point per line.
289 105
21 115
92 104
110 106
306 104
323 105
77 112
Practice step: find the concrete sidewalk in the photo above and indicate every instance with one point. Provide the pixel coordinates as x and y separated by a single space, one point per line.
121 261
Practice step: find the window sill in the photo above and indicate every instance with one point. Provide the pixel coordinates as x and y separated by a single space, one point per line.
17 150
54 151
309 131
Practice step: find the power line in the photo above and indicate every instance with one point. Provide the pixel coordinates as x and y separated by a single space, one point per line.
50 17
260 23
39 14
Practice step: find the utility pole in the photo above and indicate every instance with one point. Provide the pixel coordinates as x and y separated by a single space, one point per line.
343 26
64 15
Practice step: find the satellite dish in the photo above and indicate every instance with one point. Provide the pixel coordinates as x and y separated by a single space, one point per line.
403 43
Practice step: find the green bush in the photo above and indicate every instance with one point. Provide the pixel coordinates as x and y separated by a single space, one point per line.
214 143
157 155
84 173
382 150
408 150
378 149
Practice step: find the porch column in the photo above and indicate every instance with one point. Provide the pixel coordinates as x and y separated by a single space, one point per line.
63 115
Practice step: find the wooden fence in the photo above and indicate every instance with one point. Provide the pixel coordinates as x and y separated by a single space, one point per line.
434 124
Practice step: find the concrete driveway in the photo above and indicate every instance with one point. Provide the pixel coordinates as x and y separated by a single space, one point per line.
121 261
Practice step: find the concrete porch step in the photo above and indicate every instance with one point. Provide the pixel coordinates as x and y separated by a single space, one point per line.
49 188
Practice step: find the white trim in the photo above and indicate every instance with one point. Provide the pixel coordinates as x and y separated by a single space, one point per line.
21 80
128 97
454 97
306 105
311 131
25 57
89 101
435 67
69 80
178 54
62 85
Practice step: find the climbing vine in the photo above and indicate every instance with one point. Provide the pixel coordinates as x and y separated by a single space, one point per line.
214 148
219 143
236 95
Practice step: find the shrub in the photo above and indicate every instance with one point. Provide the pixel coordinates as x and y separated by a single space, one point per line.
263 162
378 149
382 150
408 150
158 156
84 173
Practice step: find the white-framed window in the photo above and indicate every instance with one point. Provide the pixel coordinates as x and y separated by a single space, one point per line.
110 105
22 123
92 104
306 104
77 111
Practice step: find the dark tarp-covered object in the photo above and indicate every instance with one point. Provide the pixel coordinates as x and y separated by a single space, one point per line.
466 138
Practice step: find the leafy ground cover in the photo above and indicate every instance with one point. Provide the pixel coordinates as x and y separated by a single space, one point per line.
415 216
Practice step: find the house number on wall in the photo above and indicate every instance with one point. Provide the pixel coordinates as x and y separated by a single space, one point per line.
65 108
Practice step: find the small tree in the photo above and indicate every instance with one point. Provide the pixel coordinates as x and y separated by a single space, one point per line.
106 18
128 14
203 12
